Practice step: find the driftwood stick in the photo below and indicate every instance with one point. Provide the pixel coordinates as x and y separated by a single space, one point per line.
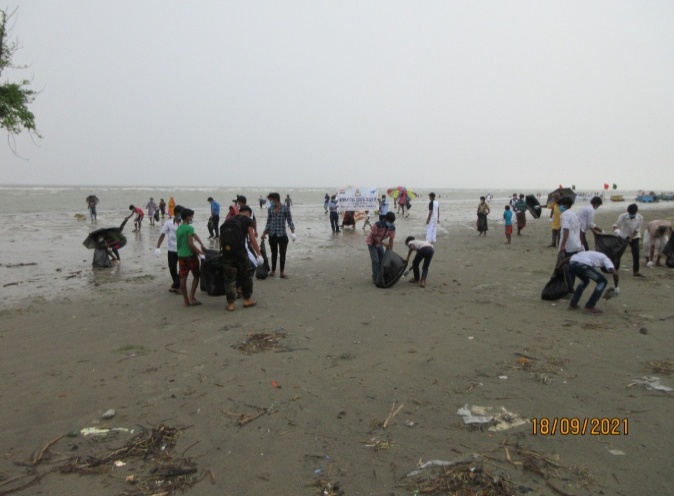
392 414
38 456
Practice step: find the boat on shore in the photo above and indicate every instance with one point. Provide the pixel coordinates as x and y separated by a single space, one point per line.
617 198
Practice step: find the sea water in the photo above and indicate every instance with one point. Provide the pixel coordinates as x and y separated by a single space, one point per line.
41 245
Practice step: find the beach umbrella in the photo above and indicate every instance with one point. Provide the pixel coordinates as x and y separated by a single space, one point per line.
111 235
399 190
561 192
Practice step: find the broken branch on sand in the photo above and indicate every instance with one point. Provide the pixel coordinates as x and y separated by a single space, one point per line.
391 415
243 418
38 456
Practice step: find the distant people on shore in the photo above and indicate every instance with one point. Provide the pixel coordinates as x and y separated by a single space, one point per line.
171 207
508 219
482 212
162 208
521 214
92 201
334 214
261 201
433 218
288 201
214 219
402 202
383 207
555 220
326 201
138 212
152 211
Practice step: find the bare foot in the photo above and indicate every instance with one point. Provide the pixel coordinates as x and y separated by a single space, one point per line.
272 274
230 307
593 310
572 307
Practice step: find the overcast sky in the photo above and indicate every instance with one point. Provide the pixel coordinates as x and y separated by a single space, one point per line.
445 94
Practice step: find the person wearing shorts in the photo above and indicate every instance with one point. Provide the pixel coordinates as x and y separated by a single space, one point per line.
188 257
139 216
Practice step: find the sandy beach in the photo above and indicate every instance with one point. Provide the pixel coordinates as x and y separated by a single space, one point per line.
365 385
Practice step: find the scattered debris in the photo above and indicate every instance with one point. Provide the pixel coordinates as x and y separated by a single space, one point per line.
479 416
168 475
326 488
108 415
96 431
651 383
377 444
461 477
665 367
261 341
243 418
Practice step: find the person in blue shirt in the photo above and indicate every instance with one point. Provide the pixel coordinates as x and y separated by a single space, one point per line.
333 207
508 217
214 220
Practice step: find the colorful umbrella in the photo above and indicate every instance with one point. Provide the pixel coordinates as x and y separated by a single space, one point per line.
399 190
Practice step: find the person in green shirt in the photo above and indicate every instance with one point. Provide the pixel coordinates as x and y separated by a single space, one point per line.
188 257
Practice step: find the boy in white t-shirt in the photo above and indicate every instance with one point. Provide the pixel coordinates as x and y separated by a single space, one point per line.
425 252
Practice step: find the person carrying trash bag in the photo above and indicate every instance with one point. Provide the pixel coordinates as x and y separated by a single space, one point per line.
379 240
234 234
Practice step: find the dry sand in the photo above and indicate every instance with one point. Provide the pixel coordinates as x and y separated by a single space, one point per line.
352 353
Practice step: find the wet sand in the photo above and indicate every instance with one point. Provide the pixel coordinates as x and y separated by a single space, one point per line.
479 334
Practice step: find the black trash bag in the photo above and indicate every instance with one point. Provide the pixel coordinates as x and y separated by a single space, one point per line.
101 259
533 206
610 245
156 215
668 252
212 277
262 270
391 269
557 287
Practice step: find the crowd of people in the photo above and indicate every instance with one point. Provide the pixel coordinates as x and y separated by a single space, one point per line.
237 240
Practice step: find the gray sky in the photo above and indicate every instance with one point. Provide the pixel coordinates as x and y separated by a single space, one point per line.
453 94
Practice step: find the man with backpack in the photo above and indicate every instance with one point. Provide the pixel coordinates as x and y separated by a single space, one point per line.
235 233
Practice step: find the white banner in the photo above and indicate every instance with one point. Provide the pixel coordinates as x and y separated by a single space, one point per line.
358 199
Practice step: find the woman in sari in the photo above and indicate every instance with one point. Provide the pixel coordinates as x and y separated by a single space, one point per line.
482 212
171 207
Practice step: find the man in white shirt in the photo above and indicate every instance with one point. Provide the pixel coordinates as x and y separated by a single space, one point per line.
586 219
570 243
169 230
433 218
629 226
584 266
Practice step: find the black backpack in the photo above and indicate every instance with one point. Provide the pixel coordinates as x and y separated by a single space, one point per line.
232 239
